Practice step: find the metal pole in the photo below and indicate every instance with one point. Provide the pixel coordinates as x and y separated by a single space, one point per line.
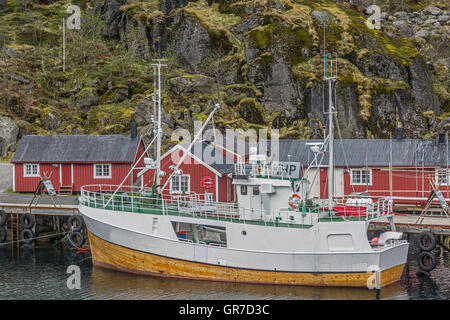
158 146
64 45
159 133
331 149
446 171
390 164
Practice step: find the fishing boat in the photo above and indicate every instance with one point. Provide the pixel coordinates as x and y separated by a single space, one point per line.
273 234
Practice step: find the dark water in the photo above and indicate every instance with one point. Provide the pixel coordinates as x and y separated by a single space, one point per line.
41 274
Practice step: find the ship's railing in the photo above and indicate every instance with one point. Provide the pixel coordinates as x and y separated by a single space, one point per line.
135 199
368 207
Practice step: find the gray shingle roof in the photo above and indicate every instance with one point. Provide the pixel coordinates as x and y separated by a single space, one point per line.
405 152
211 156
77 148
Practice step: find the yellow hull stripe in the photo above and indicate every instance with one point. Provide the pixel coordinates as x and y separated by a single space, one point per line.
112 256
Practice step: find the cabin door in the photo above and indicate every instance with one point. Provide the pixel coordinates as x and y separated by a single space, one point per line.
66 174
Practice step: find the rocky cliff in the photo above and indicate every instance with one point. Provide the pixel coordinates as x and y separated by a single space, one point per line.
265 54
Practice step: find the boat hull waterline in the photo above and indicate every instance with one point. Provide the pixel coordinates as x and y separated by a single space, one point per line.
132 251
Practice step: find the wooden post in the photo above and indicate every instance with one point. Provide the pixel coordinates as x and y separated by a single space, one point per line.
17 232
423 173
58 227
11 227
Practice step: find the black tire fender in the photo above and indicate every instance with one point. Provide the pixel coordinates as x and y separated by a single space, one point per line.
423 258
76 222
3 234
3 217
426 241
73 238
27 220
27 236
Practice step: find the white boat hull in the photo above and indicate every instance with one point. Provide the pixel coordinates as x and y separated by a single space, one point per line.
136 234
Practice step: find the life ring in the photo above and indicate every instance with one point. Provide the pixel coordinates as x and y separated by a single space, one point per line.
208 183
426 241
294 203
78 225
27 236
27 221
427 261
3 217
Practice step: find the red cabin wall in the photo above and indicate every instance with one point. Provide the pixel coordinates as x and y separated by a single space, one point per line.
29 184
83 174
405 183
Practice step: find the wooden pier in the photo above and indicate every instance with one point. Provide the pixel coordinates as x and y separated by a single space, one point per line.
439 225
40 209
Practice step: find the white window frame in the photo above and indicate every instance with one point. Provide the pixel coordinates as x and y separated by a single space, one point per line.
179 191
30 175
360 183
102 176
437 177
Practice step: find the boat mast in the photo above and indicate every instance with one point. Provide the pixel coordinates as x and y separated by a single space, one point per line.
331 78
157 97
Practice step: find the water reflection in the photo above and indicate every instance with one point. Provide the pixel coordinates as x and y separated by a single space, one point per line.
156 288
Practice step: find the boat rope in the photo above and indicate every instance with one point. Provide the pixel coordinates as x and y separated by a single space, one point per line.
76 247
61 240
35 238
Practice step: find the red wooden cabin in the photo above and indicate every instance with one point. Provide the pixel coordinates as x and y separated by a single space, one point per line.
75 160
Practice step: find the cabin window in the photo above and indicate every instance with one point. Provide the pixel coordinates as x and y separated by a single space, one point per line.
180 184
255 191
102 171
244 190
442 177
361 177
31 170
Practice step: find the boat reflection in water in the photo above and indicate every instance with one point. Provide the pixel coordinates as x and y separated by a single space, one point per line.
117 285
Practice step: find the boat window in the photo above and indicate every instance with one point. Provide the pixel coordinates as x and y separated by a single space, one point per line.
255 191
244 190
